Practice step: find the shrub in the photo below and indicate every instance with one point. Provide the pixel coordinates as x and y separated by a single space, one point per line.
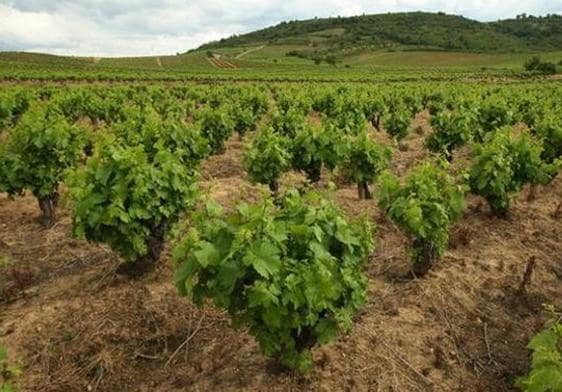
530 111
397 122
547 68
292 274
36 156
313 147
217 126
364 161
244 119
546 365
256 100
288 123
266 158
134 188
536 64
373 109
549 131
493 114
295 101
145 127
532 64
503 164
345 111
435 103
450 130
424 206
128 201
13 105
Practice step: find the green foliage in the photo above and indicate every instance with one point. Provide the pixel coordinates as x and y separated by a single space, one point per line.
450 130
90 103
288 123
397 122
424 206
12 105
145 127
266 158
503 164
532 64
530 111
549 131
348 115
38 152
493 114
326 102
140 179
411 29
313 147
292 274
434 103
350 122
217 126
364 161
537 65
244 119
547 68
373 109
413 102
292 100
124 198
546 366
9 372
254 99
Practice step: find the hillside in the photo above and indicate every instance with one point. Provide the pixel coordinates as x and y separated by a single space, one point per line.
415 30
369 47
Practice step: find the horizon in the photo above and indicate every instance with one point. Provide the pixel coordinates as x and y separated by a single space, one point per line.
145 28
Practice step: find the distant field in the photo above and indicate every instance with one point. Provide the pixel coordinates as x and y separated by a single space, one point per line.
414 59
393 59
268 62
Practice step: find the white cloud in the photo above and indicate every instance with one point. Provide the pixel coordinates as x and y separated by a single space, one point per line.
145 27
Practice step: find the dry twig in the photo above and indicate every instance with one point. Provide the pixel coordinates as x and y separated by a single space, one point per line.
423 378
186 341
527 275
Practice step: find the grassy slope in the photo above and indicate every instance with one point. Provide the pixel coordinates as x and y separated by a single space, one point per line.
400 41
345 37
269 60
414 59
417 29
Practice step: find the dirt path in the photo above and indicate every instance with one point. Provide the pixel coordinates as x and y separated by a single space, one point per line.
213 62
218 62
239 56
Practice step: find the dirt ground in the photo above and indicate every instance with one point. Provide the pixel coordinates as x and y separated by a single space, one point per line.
74 325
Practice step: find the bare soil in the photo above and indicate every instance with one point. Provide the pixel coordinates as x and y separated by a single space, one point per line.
74 325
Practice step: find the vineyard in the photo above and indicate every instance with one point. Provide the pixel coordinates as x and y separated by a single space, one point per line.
400 236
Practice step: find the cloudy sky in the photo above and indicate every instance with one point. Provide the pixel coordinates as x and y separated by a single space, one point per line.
150 27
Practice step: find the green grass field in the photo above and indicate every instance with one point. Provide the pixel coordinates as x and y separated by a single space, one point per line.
266 62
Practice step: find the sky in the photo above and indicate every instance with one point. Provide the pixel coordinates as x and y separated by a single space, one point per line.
149 27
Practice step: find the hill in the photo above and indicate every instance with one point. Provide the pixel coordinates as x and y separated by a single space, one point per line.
401 46
413 30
